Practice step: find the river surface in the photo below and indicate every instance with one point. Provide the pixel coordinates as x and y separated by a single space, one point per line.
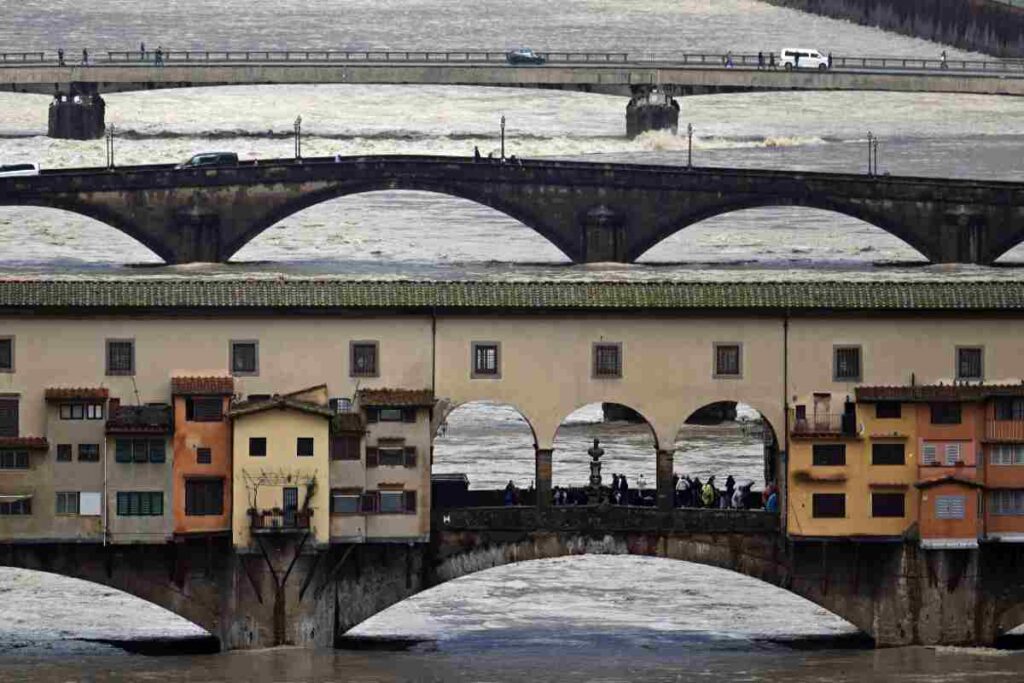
601 618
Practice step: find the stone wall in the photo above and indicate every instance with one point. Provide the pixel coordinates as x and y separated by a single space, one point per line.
983 26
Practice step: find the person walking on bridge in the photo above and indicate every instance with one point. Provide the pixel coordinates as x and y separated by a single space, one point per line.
158 56
771 60
760 60
60 56
142 51
708 495
85 57
476 153
942 61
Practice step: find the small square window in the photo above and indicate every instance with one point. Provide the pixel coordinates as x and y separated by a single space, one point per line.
204 409
304 447
94 411
486 360
204 456
846 365
607 360
392 502
120 357
88 452
888 505
345 502
257 446
888 410
245 357
828 505
363 359
888 454
969 363
67 502
6 354
945 413
728 360
829 454
63 452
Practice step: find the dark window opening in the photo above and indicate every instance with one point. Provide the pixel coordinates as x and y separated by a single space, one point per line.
888 410
6 354
1009 409
140 450
304 447
257 446
828 505
204 409
204 497
485 359
969 363
829 454
88 452
14 460
120 357
945 413
607 360
140 503
888 505
727 360
204 456
888 454
344 447
8 417
64 452
363 361
244 358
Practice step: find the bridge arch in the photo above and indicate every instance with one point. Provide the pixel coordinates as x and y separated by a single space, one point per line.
520 211
699 211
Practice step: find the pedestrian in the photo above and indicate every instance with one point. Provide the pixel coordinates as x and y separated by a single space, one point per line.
830 61
730 489
796 60
728 59
60 56
760 60
739 496
337 160
615 482
158 57
476 153
142 51
510 493
641 484
695 490
85 57
708 495
768 491
773 503
771 60
942 60
624 487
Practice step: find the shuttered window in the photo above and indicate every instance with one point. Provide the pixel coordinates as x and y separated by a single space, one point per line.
88 452
1006 502
67 502
945 413
205 409
952 453
140 450
929 454
1006 454
727 360
888 454
1010 409
14 460
345 502
888 505
828 505
344 447
950 507
392 502
391 456
140 503
829 454
8 417
204 497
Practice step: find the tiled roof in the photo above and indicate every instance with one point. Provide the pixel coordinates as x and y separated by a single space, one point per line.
327 294
202 386
148 419
398 398
347 422
948 479
938 392
31 443
77 393
278 402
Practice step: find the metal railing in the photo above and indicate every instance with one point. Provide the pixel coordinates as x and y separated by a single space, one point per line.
279 520
823 423
1004 430
743 60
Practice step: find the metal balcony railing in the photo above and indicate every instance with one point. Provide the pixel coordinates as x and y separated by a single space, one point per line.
823 423
1004 430
279 521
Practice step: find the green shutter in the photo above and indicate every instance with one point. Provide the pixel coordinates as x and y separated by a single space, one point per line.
122 504
140 451
123 450
157 503
157 451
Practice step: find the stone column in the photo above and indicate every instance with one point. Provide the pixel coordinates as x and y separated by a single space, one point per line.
666 492
543 477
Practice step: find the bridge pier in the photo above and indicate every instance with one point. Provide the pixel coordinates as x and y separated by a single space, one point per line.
77 115
649 109
542 484
666 490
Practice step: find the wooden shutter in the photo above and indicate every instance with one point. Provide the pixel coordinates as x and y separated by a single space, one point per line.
371 415
371 456
409 500
9 417
368 502
410 456
928 454
952 453
408 414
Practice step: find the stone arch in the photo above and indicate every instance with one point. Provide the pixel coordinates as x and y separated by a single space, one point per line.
552 423
519 211
698 211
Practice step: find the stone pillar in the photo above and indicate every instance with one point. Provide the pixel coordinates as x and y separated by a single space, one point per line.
603 238
666 491
77 117
543 477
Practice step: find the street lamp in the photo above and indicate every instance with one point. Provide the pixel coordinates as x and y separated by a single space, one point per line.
875 144
503 137
689 145
110 146
298 138
870 138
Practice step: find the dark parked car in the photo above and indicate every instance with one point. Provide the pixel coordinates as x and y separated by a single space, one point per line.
210 159
524 55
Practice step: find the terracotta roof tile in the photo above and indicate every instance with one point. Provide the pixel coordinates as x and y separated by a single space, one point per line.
277 402
347 422
949 479
938 392
77 393
202 386
32 443
395 398
148 419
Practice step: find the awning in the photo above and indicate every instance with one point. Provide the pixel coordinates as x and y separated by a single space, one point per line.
14 497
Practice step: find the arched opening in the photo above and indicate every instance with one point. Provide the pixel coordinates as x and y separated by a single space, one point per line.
41 611
626 448
642 602
734 444
409 227
31 235
479 448
782 235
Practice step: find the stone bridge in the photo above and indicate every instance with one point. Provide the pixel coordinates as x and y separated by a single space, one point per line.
286 591
590 211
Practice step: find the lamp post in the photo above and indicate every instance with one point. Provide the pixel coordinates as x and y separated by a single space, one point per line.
110 146
875 144
298 138
503 137
870 138
689 145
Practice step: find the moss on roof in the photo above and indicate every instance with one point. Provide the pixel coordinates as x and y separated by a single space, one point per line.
327 294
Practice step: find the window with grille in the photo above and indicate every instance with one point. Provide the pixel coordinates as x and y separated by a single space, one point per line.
88 452
1006 454
16 507
888 454
67 502
120 357
345 501
952 453
727 360
13 460
6 354
950 507
945 413
846 364
829 454
140 503
363 359
969 362
139 450
1009 409
204 456
828 505
304 446
345 447
607 360
1006 502
485 360
64 451
204 497
888 505
9 417
888 410
245 357
341 405
204 409
257 446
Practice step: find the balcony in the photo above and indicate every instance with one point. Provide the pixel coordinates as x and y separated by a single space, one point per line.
279 521
1004 430
822 424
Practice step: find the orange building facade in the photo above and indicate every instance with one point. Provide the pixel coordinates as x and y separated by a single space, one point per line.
202 454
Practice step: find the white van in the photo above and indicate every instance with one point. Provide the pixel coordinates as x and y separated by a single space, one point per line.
18 169
802 58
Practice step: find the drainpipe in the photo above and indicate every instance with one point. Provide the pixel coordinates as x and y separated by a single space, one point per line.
104 514
783 485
